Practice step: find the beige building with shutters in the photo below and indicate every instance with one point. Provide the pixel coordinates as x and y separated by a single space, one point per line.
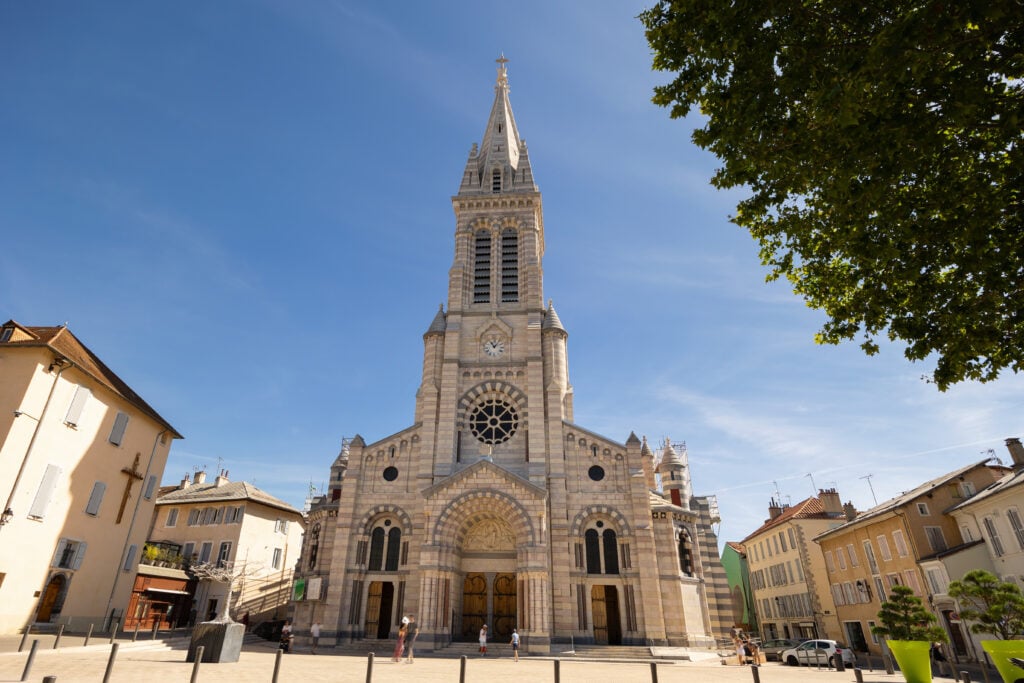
886 545
495 506
81 455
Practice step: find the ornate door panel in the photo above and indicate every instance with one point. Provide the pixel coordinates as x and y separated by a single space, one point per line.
474 605
379 603
373 609
504 605
597 605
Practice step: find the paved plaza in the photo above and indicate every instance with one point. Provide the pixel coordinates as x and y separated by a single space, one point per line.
164 662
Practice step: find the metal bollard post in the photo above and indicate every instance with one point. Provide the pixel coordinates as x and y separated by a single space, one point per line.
965 677
462 669
88 636
49 679
199 659
277 665
840 664
887 660
60 632
24 637
156 628
135 633
756 671
858 675
654 672
110 663
369 667
113 631
31 658
558 670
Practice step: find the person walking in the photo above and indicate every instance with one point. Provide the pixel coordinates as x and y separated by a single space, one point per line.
411 631
400 645
938 658
515 645
314 632
483 641
286 637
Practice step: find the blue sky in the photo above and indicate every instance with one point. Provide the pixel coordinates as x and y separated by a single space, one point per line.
244 209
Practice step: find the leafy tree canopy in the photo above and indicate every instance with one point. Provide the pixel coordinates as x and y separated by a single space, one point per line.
881 144
994 606
904 617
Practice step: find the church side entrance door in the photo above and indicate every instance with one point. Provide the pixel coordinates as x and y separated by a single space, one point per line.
474 604
604 601
504 606
378 609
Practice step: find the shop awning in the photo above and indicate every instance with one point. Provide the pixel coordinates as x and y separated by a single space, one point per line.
165 590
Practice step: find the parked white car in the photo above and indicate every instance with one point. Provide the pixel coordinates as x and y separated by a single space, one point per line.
814 652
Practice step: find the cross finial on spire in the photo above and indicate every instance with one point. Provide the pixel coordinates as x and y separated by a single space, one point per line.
502 72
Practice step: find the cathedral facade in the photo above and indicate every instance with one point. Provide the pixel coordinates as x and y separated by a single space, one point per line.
494 507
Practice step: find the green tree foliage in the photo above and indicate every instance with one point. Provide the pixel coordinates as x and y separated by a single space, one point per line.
881 144
904 617
995 607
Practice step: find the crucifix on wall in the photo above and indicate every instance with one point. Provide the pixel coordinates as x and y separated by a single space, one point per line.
133 474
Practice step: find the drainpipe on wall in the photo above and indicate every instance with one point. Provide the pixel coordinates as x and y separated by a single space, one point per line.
131 524
64 364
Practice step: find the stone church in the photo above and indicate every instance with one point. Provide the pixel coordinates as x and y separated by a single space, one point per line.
495 507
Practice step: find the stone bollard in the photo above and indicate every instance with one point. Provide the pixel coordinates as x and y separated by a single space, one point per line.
369 667
31 658
756 673
199 660
49 679
858 675
110 663
840 664
462 669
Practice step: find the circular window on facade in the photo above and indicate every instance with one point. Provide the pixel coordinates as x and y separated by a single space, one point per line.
493 420
596 473
390 473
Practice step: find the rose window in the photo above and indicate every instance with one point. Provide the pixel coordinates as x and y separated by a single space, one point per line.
493 420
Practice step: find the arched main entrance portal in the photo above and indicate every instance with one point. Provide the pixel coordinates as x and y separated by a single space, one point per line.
379 602
489 586
604 602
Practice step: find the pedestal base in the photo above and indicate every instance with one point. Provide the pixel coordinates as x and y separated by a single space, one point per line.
221 641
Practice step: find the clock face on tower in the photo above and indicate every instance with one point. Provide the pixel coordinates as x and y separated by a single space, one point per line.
494 348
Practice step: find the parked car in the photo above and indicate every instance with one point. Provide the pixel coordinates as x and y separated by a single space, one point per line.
818 651
773 649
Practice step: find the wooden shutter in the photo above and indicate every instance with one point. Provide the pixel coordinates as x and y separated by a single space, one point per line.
45 492
82 396
149 486
61 545
76 562
120 425
93 507
129 558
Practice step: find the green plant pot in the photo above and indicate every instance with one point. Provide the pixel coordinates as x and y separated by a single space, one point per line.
1000 651
913 658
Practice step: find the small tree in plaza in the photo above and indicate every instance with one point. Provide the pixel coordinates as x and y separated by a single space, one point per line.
226 573
993 606
904 617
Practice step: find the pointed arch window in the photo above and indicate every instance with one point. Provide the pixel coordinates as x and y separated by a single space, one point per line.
394 544
376 549
593 548
611 552
385 545
602 551
509 266
482 267
685 553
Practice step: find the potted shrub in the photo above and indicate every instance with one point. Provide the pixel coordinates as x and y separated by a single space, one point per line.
909 630
997 608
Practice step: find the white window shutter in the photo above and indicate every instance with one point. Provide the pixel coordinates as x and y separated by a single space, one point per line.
82 396
150 485
45 492
79 555
63 543
120 425
93 507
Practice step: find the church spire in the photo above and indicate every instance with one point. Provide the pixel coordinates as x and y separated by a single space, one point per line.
500 163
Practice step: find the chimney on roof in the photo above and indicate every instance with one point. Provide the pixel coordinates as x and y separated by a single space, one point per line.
185 483
222 478
774 509
849 511
1016 451
200 477
830 501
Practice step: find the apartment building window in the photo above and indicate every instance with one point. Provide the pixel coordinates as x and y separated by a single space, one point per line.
234 514
276 561
281 526
45 491
799 569
880 589
869 553
968 488
193 517
829 562
849 593
792 538
205 550
910 576
837 594
901 543
172 518
841 558
782 540
117 432
893 580
95 499
936 539
150 486
129 558
966 532
188 551
1013 515
853 555
69 554
993 537
224 555
74 414
922 509
937 580
883 548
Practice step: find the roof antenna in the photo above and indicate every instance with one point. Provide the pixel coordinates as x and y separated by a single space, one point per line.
815 492
868 477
